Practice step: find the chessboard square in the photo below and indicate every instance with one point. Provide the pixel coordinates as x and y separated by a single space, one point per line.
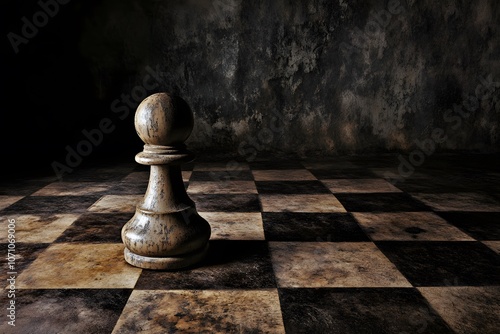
67 311
347 173
222 187
301 203
142 177
116 203
283 175
20 188
79 266
25 253
37 228
358 310
232 166
291 187
229 264
459 201
466 309
494 245
435 263
206 311
480 225
128 188
235 225
5 201
310 226
73 189
380 202
96 228
51 204
226 202
360 186
327 264
408 226
222 176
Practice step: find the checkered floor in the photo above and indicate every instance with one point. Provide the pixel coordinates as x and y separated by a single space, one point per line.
297 246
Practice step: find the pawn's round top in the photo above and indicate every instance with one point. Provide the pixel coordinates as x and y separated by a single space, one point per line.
163 119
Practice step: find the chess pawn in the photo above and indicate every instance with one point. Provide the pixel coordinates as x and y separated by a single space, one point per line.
166 231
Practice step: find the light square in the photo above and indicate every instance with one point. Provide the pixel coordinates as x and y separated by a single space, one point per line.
38 228
360 186
283 175
80 266
301 203
235 225
327 264
116 203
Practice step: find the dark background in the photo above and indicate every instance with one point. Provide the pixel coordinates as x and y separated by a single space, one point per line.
299 78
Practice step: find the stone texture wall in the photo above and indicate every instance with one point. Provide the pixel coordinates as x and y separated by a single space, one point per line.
306 77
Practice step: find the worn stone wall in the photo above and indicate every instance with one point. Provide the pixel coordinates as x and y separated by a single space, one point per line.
307 77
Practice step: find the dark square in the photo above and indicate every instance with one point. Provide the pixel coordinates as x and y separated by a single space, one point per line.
479 225
291 187
382 202
21 187
229 264
345 173
128 188
227 202
51 204
358 310
299 226
25 253
93 311
220 176
96 228
428 263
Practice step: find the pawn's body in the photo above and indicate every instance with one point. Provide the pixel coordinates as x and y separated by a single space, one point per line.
166 232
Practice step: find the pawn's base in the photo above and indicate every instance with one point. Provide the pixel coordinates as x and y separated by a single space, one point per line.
165 263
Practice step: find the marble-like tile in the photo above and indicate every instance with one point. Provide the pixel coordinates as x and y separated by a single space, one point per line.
80 266
479 225
434 263
494 245
407 226
128 188
360 186
327 264
72 189
96 228
466 309
226 202
222 187
67 311
301 203
5 201
291 187
208 311
25 253
358 310
283 175
37 228
346 173
230 264
459 201
228 166
51 204
235 225
20 187
116 203
222 176
311 226
380 202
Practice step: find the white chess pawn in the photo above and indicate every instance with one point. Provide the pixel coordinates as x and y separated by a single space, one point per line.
166 231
